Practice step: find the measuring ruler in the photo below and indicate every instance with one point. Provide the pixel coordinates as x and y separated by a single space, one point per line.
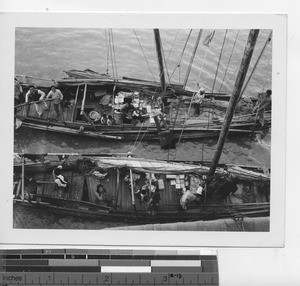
108 267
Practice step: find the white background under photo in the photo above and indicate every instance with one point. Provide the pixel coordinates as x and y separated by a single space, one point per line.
238 265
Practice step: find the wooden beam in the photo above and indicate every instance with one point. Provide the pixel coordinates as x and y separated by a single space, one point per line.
160 59
74 109
83 100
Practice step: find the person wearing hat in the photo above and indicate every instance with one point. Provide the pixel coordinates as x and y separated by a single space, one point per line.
56 96
198 99
36 95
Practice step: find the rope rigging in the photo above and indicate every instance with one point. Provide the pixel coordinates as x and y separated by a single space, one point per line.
172 45
256 63
221 53
181 56
114 53
206 42
144 54
233 47
111 54
107 51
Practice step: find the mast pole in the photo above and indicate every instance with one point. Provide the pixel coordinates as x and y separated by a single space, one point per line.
192 58
160 59
253 34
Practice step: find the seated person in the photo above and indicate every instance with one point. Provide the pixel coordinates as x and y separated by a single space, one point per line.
110 121
103 119
143 194
127 111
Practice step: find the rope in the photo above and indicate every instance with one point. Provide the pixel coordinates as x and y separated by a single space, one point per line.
190 105
219 61
113 46
144 55
111 55
107 51
173 44
181 56
267 73
233 47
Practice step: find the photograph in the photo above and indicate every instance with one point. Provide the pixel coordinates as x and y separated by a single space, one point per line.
142 129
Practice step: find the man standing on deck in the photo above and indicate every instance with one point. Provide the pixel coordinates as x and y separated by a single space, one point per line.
56 96
263 104
35 95
198 99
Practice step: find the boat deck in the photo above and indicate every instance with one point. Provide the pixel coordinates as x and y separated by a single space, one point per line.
83 186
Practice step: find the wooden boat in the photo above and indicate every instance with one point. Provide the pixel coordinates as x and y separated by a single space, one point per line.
88 95
172 179
175 191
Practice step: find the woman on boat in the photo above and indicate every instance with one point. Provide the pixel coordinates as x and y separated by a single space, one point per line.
35 95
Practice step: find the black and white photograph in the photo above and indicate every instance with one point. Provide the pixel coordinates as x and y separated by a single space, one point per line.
143 129
140 124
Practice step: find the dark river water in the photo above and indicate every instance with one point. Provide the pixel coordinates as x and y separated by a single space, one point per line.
46 52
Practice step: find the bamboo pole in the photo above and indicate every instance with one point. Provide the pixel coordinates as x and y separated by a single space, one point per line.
253 34
132 191
23 177
74 109
192 58
83 100
160 59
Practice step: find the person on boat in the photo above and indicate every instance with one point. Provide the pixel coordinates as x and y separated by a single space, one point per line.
18 92
136 116
186 198
56 96
100 194
143 194
263 104
154 202
228 188
110 120
103 119
59 179
161 104
198 98
127 111
35 95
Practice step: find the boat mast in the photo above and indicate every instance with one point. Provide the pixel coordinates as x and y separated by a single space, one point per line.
160 59
234 99
192 58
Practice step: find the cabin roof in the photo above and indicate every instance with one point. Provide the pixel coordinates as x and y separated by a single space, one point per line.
149 166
